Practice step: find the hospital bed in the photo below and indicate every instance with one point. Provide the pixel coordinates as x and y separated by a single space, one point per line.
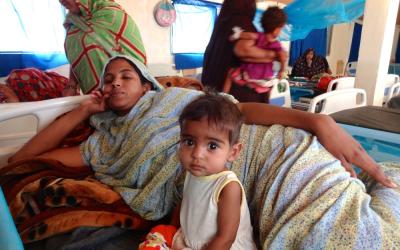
20 121
12 137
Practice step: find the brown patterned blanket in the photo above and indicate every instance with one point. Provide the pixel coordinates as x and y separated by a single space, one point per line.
45 198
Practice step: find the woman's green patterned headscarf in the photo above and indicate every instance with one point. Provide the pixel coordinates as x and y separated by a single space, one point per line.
101 31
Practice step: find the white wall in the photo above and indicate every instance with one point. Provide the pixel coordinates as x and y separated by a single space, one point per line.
156 39
340 44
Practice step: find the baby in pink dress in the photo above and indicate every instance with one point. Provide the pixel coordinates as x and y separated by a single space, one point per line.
258 75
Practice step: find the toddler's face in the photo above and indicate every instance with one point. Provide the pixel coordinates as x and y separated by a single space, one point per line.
204 150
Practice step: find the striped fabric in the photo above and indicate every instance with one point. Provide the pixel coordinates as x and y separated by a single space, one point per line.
102 30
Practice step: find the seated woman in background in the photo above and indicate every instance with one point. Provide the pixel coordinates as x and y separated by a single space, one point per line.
309 64
394 102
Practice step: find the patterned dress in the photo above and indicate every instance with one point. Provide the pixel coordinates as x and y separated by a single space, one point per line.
32 84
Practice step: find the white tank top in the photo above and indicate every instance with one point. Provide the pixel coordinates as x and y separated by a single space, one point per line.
199 209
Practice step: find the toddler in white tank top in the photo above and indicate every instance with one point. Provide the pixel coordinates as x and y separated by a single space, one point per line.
214 212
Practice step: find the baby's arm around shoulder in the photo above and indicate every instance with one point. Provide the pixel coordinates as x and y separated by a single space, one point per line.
228 218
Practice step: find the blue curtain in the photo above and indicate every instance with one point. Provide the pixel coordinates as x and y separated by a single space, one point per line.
355 43
316 40
33 34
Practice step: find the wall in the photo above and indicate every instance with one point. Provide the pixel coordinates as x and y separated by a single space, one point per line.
156 39
340 45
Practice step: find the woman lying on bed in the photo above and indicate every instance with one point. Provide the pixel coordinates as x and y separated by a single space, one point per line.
298 194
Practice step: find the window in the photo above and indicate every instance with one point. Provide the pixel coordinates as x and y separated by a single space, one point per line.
34 31
191 31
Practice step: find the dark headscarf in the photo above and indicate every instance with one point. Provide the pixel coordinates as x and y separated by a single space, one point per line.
319 65
219 56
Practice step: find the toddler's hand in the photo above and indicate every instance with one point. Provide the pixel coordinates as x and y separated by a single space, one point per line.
70 90
281 75
236 33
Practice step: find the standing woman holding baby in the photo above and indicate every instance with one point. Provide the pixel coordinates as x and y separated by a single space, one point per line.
222 54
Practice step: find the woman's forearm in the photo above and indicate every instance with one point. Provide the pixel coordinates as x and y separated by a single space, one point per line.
263 114
50 137
339 143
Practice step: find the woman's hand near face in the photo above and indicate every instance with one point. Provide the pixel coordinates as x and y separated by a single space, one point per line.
96 104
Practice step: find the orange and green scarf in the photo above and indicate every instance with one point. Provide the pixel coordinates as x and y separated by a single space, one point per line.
102 30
